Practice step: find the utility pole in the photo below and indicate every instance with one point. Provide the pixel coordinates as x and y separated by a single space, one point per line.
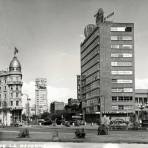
28 107
102 99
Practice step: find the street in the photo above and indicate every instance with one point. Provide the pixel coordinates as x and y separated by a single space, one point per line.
66 134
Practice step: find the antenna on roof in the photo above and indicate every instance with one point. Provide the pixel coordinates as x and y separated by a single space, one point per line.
110 15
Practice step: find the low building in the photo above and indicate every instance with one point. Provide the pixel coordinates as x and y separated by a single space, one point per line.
56 107
141 101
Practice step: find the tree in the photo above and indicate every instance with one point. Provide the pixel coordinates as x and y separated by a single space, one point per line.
45 116
24 117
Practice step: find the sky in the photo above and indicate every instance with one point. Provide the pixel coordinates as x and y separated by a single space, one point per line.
48 34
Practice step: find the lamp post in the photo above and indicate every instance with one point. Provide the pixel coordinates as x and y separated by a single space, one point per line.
28 107
101 115
4 105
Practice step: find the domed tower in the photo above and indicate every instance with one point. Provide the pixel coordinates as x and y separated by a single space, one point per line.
15 65
15 88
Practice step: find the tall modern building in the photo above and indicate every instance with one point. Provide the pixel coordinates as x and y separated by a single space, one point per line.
11 93
41 95
107 67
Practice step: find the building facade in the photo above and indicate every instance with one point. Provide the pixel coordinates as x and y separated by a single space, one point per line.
41 95
141 101
79 87
56 107
107 67
11 93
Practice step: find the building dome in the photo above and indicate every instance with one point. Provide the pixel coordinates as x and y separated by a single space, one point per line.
15 65
89 29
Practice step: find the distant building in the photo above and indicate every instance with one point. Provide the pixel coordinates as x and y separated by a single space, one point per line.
11 93
108 67
72 101
56 107
41 95
141 100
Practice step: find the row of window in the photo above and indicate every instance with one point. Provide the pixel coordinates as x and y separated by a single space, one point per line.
93 69
121 98
92 101
3 81
17 103
121 63
121 46
90 49
11 88
118 90
93 93
4 95
121 29
92 109
89 42
124 55
4 88
14 88
92 78
11 103
122 38
141 100
12 94
10 79
122 107
121 72
92 85
121 81
90 64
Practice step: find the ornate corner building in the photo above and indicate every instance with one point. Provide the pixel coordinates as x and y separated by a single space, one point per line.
11 93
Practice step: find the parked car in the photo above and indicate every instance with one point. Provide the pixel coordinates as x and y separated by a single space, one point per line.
48 122
67 123
16 124
118 124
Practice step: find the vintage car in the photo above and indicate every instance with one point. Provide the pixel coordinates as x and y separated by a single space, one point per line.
118 124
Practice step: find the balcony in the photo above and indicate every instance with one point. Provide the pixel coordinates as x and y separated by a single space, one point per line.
16 108
14 82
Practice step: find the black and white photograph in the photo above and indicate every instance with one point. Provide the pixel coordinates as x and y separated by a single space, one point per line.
73 73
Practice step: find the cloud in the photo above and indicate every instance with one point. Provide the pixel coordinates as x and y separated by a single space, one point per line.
141 83
54 93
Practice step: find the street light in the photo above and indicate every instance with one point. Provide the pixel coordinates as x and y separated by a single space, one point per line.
101 115
141 107
27 106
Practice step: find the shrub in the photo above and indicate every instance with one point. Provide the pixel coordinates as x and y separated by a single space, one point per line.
24 133
80 133
55 136
103 130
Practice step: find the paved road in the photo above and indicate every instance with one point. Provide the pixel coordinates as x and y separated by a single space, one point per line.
66 134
